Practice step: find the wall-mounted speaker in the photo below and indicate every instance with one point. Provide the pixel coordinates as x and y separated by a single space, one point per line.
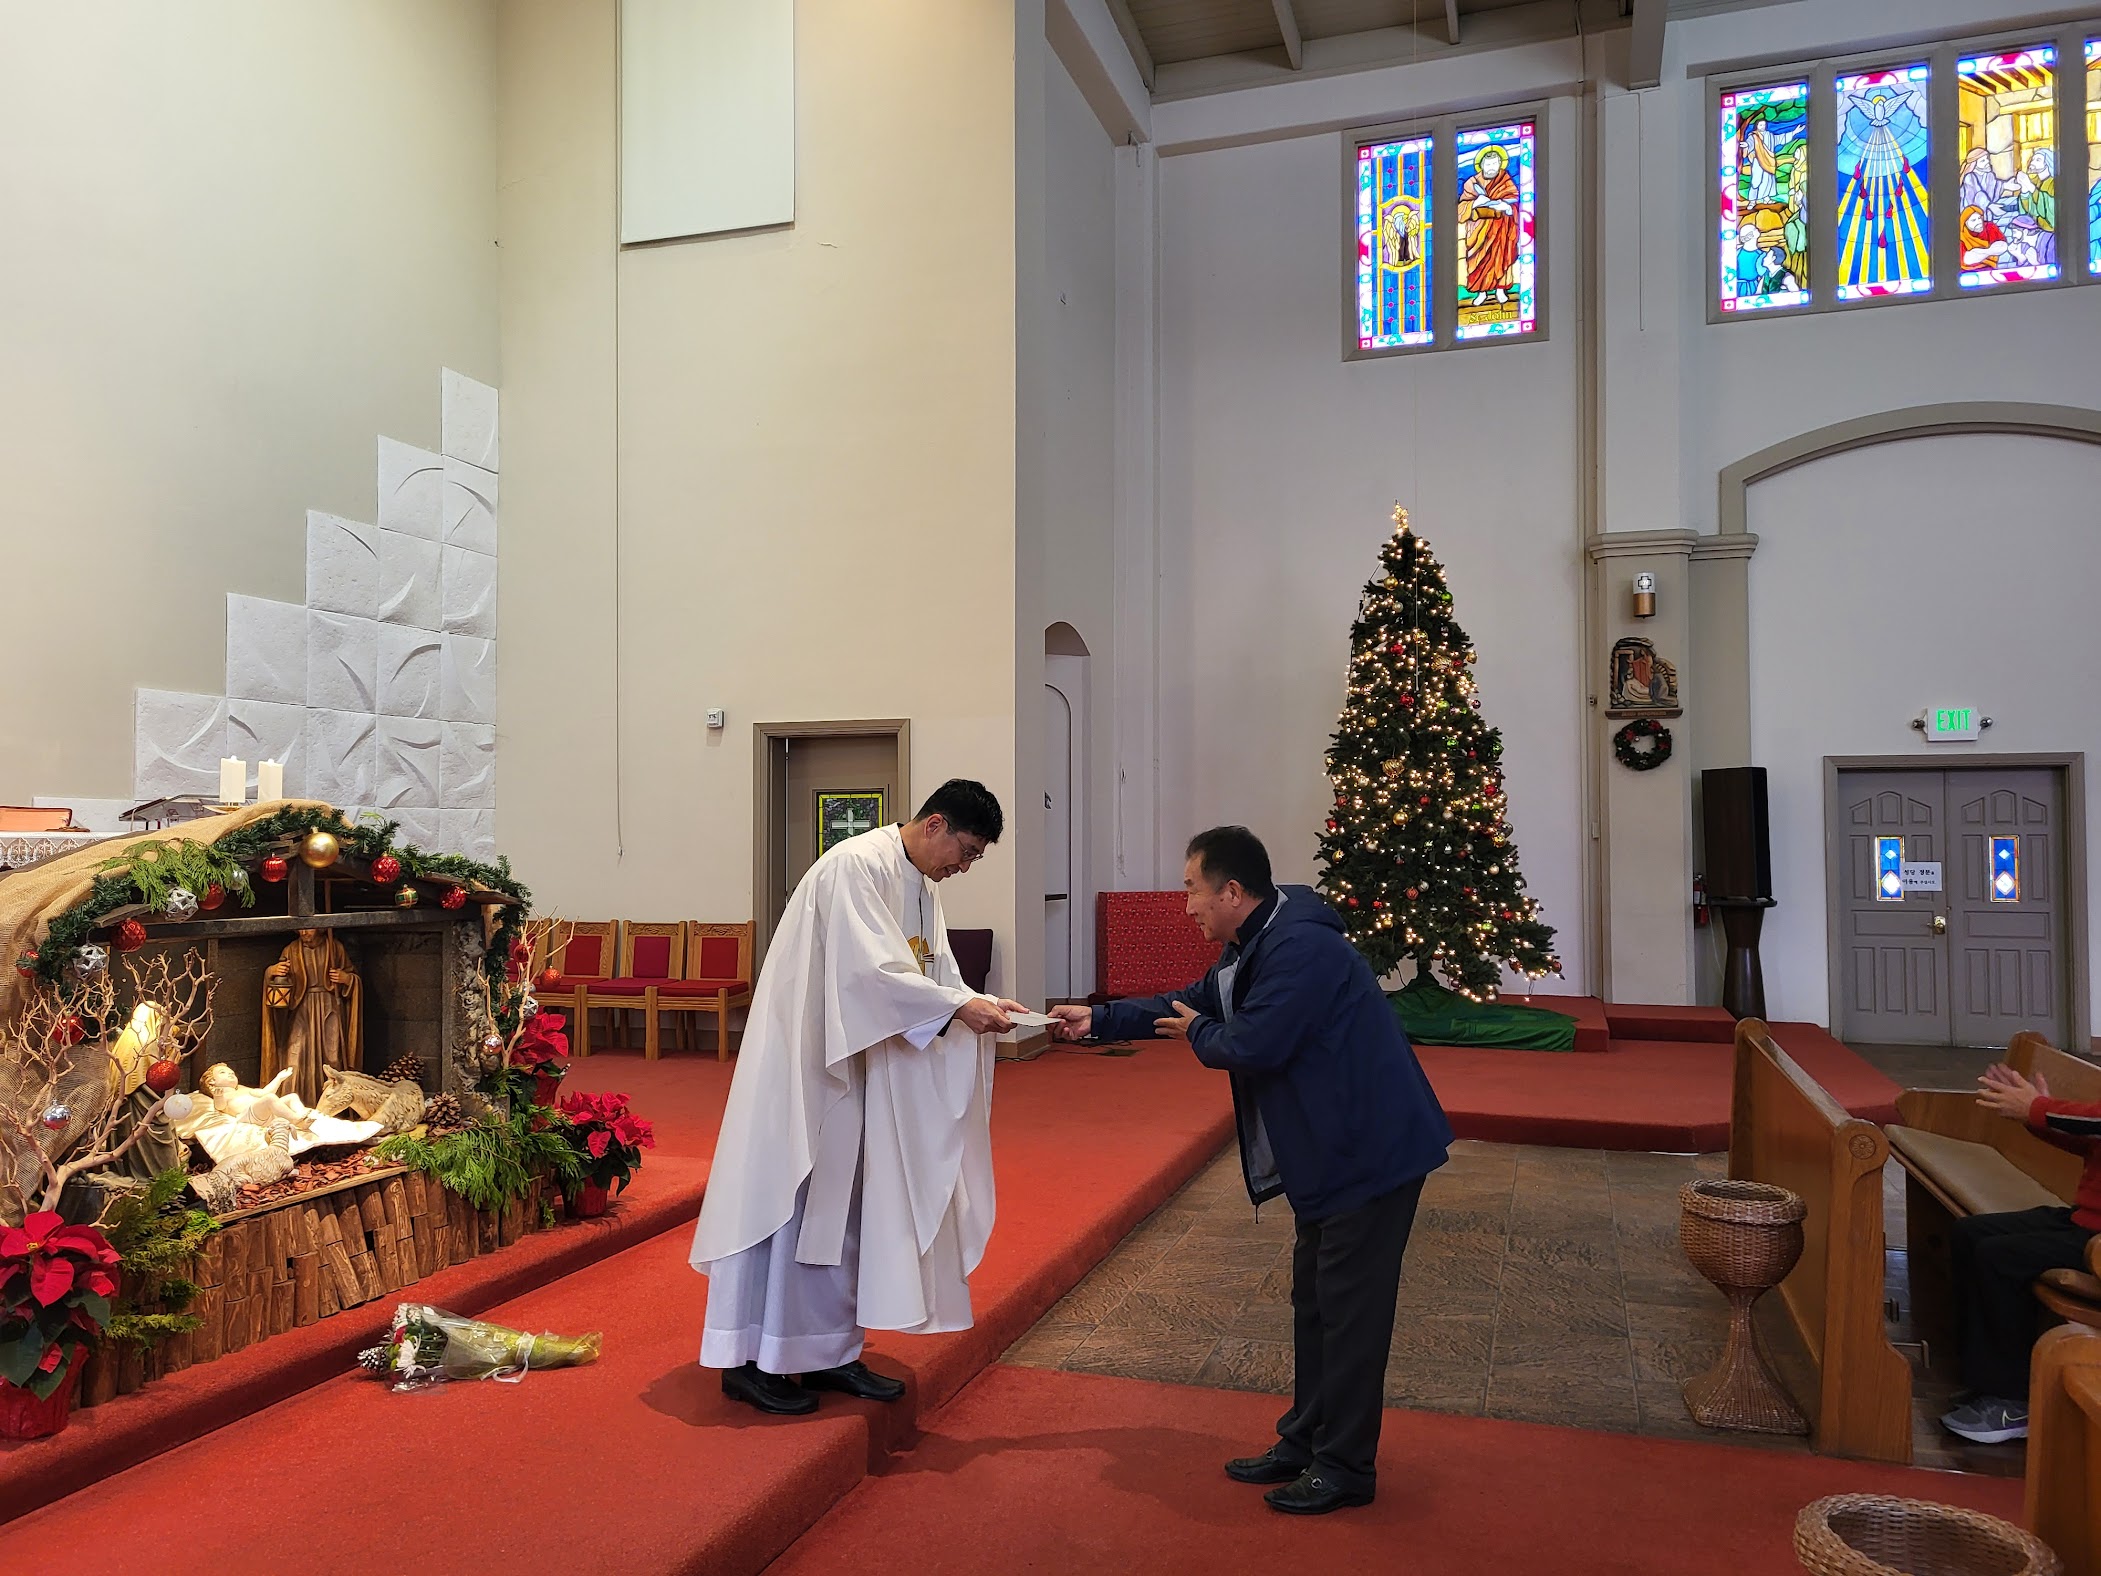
1739 832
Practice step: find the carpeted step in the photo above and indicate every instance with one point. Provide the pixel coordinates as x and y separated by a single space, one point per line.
1037 1470
1695 1025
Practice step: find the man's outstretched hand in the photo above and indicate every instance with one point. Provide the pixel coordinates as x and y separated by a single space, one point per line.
982 1015
1177 1027
2007 1093
1074 1022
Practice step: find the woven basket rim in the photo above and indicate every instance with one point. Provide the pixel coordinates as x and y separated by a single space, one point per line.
1819 1547
1741 1202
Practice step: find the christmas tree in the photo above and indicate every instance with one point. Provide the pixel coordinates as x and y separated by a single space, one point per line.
1419 857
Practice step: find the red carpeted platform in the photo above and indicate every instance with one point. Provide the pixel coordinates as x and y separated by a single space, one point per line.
1037 1470
637 1463
1685 1025
1640 1094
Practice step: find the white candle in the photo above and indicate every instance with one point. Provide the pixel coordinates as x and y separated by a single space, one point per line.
233 781
269 780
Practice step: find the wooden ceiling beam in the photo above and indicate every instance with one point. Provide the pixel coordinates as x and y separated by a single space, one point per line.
1645 44
1133 40
1288 25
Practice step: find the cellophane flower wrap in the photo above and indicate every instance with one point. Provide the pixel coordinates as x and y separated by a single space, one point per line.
56 1282
427 1345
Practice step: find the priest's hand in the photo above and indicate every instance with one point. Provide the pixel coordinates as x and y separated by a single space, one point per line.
1011 1006
1177 1027
1073 1023
982 1015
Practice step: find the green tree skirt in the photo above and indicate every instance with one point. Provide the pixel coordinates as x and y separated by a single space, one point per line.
1433 1015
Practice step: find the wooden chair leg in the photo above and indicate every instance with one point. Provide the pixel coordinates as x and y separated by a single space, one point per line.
650 1045
580 1021
722 1026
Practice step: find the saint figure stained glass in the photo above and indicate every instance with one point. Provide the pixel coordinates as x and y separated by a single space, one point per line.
1497 213
1394 232
1885 234
1764 197
2007 202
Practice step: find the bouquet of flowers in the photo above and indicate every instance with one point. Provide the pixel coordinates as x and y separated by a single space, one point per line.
56 1282
428 1346
608 1137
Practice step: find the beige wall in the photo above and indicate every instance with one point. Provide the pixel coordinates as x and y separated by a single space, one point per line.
773 472
242 238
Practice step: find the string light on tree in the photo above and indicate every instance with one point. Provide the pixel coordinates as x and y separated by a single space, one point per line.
1426 872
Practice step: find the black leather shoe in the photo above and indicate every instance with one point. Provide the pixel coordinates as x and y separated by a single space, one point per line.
856 1379
1272 1466
767 1392
1314 1495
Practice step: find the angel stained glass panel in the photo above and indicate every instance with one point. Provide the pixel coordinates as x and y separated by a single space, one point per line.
1395 232
1764 213
1885 231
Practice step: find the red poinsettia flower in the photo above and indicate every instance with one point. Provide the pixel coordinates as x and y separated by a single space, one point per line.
50 1278
53 1355
597 1143
102 1283
634 1133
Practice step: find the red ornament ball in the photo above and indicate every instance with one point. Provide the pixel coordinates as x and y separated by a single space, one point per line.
1407 700
386 868
1424 800
69 1030
453 898
1334 826
1413 893
1376 903
131 935
521 951
1351 901
163 1076
26 963
550 978
275 868
214 896
1466 891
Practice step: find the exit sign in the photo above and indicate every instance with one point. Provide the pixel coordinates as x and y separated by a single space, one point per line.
1951 722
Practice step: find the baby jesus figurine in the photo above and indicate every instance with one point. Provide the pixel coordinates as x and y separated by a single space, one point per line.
228 1119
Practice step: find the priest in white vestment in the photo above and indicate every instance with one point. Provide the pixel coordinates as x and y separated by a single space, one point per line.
852 1183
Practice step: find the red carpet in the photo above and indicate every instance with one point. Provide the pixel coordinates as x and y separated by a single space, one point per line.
636 1463
1035 1470
1641 1094
1686 1025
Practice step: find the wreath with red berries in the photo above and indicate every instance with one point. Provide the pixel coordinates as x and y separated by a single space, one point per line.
1627 745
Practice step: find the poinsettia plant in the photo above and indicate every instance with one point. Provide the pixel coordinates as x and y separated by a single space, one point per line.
609 1138
538 1050
56 1282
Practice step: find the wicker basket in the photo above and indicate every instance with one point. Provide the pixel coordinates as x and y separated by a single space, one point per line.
1744 1237
1882 1535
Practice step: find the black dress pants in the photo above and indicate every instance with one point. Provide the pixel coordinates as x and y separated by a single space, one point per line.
1996 1260
1345 1277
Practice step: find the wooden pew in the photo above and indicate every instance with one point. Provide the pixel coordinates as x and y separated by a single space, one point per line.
2063 1492
1960 1159
1784 1128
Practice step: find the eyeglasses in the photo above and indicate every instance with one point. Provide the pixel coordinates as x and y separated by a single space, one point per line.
969 853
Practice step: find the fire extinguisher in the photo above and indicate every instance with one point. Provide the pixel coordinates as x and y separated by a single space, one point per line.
1701 913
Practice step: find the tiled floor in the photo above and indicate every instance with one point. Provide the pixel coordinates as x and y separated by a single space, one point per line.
1541 1284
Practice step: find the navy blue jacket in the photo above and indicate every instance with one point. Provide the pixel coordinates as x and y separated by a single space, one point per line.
1332 1106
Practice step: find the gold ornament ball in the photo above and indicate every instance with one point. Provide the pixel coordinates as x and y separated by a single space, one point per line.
320 850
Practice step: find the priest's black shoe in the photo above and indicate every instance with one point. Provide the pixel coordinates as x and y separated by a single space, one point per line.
856 1379
1272 1466
1314 1495
768 1392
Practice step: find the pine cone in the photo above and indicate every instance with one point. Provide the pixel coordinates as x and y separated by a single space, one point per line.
442 1113
409 1067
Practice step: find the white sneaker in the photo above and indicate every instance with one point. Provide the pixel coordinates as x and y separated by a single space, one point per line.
1988 1420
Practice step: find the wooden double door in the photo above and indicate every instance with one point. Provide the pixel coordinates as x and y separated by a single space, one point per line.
1950 905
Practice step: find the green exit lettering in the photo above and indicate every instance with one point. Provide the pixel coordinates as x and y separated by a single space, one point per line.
1953 720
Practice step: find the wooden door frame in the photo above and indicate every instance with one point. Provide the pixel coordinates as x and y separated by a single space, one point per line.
2070 766
769 790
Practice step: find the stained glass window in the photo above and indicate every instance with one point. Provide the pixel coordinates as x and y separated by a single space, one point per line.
1889 869
1394 235
1497 216
2007 206
2006 870
2093 154
1765 189
1885 234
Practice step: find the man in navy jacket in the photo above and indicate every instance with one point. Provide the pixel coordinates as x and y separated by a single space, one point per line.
1334 1113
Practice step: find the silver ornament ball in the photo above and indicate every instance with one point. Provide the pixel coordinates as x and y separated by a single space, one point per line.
493 1045
529 1007
181 904
90 960
57 1116
177 1106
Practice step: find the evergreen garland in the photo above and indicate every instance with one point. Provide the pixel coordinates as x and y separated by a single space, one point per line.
144 876
494 1160
1418 853
157 1240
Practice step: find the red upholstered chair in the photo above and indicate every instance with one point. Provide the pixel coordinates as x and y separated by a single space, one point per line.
717 976
1146 943
650 955
583 953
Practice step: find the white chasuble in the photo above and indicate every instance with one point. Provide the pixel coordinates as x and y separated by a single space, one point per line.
852 1182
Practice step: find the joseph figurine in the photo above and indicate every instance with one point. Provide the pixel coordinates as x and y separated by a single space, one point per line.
312 1001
